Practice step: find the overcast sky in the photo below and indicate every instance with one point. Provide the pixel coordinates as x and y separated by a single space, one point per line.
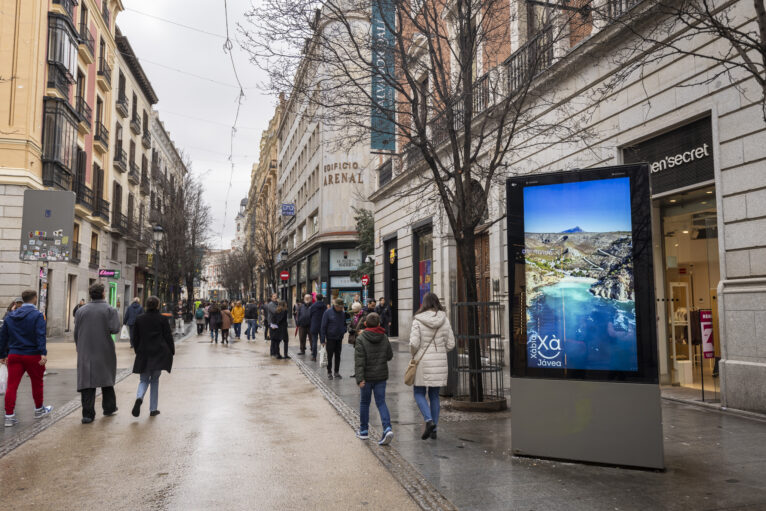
197 112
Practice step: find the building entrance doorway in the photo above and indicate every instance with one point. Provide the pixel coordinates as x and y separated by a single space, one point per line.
687 308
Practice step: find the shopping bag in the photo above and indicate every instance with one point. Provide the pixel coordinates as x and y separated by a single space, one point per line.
3 378
124 333
323 357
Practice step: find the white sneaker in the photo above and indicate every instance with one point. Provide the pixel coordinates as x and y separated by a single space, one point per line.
42 411
10 420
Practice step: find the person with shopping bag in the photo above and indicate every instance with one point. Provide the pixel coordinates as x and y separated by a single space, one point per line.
23 350
155 350
431 337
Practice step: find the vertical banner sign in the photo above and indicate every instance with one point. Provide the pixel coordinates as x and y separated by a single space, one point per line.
382 136
706 327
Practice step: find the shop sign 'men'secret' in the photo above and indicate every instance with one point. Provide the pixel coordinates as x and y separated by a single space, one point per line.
338 173
668 162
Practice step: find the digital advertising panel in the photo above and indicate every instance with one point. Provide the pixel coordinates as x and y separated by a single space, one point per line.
580 250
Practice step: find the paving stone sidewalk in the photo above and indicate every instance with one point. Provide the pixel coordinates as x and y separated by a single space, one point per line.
714 460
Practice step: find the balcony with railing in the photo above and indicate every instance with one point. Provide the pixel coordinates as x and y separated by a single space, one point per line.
119 223
56 176
76 253
616 8
134 175
67 6
95 258
102 210
145 186
85 113
105 13
146 140
87 48
59 79
120 159
101 138
83 195
104 74
122 104
135 125
155 216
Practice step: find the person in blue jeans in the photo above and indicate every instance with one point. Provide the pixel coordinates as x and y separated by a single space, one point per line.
371 355
251 316
155 350
431 337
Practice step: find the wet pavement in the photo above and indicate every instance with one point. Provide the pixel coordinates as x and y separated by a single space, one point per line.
237 430
714 460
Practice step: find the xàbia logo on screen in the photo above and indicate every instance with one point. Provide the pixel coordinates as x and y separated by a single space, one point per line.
547 348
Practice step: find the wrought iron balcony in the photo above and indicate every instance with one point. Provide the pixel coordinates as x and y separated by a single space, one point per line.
119 223
122 104
120 159
135 125
133 173
87 41
67 5
83 195
146 140
84 111
55 175
145 186
58 78
102 209
104 71
101 136
76 253
533 57
616 8
95 258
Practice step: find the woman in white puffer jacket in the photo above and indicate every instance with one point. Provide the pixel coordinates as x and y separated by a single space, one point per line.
431 338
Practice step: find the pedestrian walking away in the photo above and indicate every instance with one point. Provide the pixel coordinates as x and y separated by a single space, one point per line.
303 322
199 318
207 316
226 322
23 350
384 311
316 311
331 336
372 353
215 321
96 356
238 316
251 317
15 304
155 349
431 337
279 332
131 313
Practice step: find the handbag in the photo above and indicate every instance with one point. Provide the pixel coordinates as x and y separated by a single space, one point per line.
412 367
323 357
124 333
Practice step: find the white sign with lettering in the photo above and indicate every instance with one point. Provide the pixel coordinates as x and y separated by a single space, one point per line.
345 259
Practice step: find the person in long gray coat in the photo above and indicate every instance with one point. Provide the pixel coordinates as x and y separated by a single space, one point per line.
95 323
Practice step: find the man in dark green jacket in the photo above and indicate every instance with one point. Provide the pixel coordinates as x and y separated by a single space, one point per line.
371 356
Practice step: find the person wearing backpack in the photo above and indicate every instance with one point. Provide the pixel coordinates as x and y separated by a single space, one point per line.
199 318
371 355
431 337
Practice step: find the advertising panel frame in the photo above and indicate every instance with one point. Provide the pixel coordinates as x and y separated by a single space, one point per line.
596 416
640 210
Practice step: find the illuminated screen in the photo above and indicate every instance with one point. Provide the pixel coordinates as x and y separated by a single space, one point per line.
579 273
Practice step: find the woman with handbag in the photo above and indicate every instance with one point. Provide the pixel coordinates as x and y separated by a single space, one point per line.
431 338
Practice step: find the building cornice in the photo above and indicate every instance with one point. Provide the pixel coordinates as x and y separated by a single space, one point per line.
130 58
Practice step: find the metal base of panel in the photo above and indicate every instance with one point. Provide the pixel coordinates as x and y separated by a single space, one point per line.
596 422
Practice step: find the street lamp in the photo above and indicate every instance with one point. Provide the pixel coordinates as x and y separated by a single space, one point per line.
157 233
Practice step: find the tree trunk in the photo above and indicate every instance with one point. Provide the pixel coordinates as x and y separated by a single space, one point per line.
470 325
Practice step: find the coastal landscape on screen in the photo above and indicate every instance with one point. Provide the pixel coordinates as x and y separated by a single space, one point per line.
579 276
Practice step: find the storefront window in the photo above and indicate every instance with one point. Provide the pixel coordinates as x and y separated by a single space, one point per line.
314 266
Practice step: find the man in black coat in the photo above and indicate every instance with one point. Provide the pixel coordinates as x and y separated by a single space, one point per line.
384 311
155 349
315 313
303 322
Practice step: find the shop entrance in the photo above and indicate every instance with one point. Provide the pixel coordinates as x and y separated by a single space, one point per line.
687 307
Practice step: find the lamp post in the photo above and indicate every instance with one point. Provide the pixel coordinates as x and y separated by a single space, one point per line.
157 233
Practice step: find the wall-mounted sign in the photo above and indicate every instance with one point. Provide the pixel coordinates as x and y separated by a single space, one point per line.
677 159
706 328
47 225
288 209
345 259
284 275
392 256
112 274
340 282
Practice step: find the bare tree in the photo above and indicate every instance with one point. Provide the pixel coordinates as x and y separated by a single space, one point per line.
198 218
668 28
265 243
434 84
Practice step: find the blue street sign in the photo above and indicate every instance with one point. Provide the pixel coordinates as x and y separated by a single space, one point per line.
288 209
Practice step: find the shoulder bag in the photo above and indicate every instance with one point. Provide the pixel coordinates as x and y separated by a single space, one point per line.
412 367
